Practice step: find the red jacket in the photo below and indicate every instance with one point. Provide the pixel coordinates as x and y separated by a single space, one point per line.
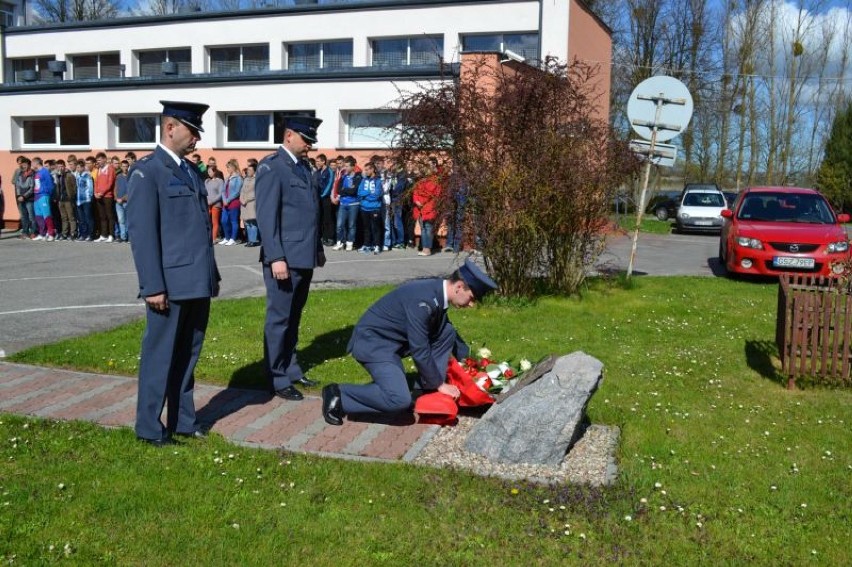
105 182
425 198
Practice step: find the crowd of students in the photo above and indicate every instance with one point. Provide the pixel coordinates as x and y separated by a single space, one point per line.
379 204
369 209
75 199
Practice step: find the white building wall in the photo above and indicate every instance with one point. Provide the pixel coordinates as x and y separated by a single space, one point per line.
554 33
328 99
447 20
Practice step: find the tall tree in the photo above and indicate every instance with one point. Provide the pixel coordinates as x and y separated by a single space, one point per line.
834 178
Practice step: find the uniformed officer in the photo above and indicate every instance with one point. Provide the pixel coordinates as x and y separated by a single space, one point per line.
412 319
288 213
170 237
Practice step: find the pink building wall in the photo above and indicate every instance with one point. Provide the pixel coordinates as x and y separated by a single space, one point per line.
590 40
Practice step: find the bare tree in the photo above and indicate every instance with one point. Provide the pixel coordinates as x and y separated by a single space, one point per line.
538 222
166 7
57 11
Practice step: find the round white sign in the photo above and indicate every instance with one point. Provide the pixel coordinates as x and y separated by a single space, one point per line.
675 112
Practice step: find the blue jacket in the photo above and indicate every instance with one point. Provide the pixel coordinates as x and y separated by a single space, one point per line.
170 230
85 188
348 189
120 186
370 194
44 183
324 180
231 193
408 320
288 212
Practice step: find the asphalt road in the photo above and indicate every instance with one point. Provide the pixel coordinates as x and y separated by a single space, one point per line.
50 291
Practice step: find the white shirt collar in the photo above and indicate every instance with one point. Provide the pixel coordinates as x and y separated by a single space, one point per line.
172 154
289 153
446 301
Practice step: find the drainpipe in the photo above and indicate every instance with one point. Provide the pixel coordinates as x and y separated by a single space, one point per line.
540 27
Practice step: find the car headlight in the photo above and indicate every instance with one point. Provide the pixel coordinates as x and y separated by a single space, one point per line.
840 246
684 216
747 242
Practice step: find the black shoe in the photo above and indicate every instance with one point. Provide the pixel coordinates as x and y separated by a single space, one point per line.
252 244
161 442
197 434
332 408
290 393
307 382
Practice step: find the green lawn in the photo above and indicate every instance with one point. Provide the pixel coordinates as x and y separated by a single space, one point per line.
719 463
650 224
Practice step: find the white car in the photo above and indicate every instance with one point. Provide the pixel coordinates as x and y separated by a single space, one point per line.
701 210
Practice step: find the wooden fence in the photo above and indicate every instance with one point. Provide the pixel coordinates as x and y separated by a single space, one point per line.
814 329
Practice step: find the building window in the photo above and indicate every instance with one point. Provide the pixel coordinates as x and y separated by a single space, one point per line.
239 59
96 65
322 55
524 44
151 62
259 127
7 14
56 131
371 129
37 64
420 50
137 130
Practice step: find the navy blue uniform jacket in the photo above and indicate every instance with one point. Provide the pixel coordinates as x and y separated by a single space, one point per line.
288 212
169 228
408 320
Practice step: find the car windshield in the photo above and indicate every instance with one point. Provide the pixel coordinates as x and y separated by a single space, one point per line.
784 207
703 200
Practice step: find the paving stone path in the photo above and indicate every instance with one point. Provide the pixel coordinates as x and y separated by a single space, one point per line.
246 417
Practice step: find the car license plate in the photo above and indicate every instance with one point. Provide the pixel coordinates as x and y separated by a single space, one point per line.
790 262
703 223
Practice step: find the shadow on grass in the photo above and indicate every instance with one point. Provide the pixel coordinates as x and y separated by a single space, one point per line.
248 385
760 356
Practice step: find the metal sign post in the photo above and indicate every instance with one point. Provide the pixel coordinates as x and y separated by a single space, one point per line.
671 114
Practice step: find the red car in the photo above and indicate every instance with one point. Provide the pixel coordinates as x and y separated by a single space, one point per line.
774 230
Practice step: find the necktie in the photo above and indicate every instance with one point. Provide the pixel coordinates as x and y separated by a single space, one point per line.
184 167
304 172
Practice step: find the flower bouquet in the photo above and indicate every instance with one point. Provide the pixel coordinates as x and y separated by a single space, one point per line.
494 377
477 380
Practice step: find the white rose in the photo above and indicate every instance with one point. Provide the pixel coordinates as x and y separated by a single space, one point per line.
484 353
525 365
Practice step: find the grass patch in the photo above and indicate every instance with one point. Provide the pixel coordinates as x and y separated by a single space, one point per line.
719 463
650 224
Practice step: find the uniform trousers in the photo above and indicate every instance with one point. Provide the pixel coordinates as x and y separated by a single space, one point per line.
389 392
285 300
171 345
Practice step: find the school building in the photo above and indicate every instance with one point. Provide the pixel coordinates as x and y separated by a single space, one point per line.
84 87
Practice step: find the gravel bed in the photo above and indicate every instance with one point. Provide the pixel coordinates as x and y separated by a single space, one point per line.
591 460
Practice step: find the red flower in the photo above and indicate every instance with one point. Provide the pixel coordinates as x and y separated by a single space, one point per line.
484 362
509 373
469 362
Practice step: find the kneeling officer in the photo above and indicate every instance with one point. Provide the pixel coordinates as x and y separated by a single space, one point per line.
412 319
